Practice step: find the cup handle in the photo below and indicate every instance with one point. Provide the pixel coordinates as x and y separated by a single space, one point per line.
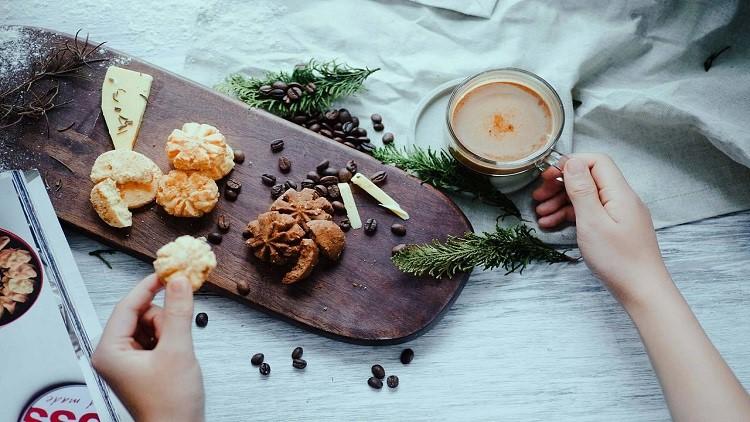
553 159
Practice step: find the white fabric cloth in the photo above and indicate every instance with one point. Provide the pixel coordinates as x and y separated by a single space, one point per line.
636 67
480 8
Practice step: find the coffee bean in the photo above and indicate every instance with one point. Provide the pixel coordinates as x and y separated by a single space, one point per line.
327 133
315 127
339 140
379 178
344 115
329 180
268 179
351 165
392 381
265 89
378 371
234 185
279 85
332 115
297 352
239 156
388 138
299 119
338 207
347 127
345 225
243 287
294 93
223 223
350 145
276 191
277 93
214 238
375 383
378 127
376 118
247 234
299 363
360 132
398 229
277 145
313 176
322 166
407 356
264 369
257 359
398 248
334 192
322 190
339 134
337 126
290 184
370 226
352 139
367 148
307 184
355 121
330 171
230 195
201 319
284 164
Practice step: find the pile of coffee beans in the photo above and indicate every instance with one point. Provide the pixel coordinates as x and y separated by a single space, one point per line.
232 189
297 361
288 93
376 380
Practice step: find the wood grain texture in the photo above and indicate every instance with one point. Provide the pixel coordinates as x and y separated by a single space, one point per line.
392 308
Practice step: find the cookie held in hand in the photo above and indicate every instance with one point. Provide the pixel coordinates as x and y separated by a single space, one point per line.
185 257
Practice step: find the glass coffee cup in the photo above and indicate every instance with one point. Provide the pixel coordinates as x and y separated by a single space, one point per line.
505 123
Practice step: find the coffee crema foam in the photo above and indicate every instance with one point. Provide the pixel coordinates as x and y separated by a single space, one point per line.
502 121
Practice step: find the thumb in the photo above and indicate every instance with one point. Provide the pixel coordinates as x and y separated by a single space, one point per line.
178 313
582 190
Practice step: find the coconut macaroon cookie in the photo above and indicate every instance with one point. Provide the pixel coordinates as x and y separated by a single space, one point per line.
200 147
106 199
187 194
135 175
186 257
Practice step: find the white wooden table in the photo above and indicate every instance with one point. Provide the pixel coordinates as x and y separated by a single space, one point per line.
550 344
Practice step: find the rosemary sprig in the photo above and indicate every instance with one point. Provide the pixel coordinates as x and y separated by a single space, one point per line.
331 81
511 248
439 169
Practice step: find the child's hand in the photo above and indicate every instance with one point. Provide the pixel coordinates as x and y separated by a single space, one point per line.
614 228
146 354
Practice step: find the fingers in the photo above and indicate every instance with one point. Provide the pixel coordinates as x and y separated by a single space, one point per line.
606 174
153 318
178 313
549 187
583 191
553 204
562 215
124 319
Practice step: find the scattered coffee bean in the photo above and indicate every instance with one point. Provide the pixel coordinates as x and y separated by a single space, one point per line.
299 119
355 121
297 352
375 383
370 226
329 180
264 369
290 184
277 93
315 127
201 319
392 381
334 192
330 171
379 178
350 145
378 127
214 238
307 184
299 363
345 225
347 127
388 138
268 179
327 133
376 118
332 115
284 164
223 223
363 140
351 165
322 190
367 148
344 175
279 85
338 207
398 248
407 356
277 145
247 234
322 166
277 190
398 229
243 287
313 176
234 185
257 359
239 156
360 132
378 371
353 139
230 195
339 134
344 115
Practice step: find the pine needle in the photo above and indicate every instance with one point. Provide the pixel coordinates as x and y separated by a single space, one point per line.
510 248
439 169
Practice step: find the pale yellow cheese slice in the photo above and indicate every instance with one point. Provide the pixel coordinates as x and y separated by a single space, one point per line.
124 99
351 208
377 193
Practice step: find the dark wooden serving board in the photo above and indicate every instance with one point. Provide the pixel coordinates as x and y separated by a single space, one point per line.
392 308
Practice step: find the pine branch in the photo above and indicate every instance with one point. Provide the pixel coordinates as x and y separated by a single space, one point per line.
439 169
510 248
330 81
